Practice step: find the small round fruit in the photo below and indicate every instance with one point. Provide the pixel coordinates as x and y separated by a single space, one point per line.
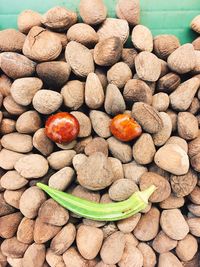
62 127
125 128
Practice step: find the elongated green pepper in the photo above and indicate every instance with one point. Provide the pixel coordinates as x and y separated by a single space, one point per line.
99 211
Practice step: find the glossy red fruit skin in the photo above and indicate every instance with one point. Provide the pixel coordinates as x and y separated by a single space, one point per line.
62 127
125 128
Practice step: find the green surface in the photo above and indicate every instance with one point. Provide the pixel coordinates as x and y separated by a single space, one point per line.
161 16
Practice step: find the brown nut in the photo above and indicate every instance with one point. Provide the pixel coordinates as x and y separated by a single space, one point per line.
163 187
129 10
113 27
195 24
16 65
188 127
59 18
169 82
28 19
94 12
183 59
84 34
183 185
5 85
41 45
80 58
11 40
108 51
143 65
137 91
128 56
54 74
165 44
142 38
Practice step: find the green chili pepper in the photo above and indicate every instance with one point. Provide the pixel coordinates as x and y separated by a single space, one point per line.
101 211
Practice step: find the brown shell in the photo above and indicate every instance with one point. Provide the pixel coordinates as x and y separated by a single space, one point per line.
108 51
142 38
59 18
11 40
183 185
143 65
165 44
112 27
28 19
163 187
42 45
137 91
129 10
92 12
83 34
183 59
80 58
168 82
195 24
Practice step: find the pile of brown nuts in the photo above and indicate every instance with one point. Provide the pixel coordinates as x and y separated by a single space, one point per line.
52 63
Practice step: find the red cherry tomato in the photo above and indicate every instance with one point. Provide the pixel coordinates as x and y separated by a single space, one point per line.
125 128
62 127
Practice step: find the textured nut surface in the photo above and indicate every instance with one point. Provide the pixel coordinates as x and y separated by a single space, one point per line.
136 90
107 52
187 124
148 225
148 66
73 94
163 243
149 256
172 202
128 225
92 12
173 224
194 226
94 93
41 45
16 65
32 166
148 117
142 38
54 259
59 159
178 141
114 103
8 158
119 74
163 135
122 189
80 58
133 171
113 247
169 82
163 187
165 44
11 247
25 230
119 150
51 212
97 144
182 60
28 122
129 10
160 101
12 107
100 123
89 240
30 202
5 85
173 159
34 255
195 24
187 248
63 240
55 74
9 224
73 259
168 259
84 122
12 180
24 89
112 27
17 142
144 149
59 18
62 178
98 167
83 34
27 19
11 40
42 143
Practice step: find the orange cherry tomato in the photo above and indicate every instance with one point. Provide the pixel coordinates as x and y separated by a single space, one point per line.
125 128
62 127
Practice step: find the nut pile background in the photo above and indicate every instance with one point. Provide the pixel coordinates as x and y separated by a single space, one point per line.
55 64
